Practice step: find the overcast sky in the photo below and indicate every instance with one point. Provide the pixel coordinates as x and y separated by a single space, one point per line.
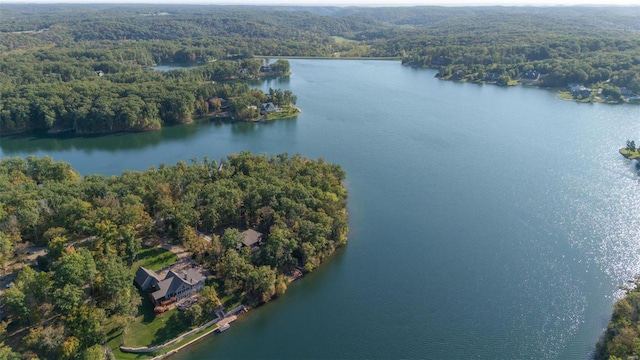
352 2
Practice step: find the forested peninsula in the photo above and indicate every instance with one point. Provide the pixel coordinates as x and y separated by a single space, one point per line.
621 339
86 68
99 232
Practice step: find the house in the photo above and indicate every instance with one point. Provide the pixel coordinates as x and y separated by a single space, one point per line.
531 75
175 286
268 108
439 61
218 103
581 92
574 87
100 73
492 77
145 278
458 75
251 239
626 92
265 66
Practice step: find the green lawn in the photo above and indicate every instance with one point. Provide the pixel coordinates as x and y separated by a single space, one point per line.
285 113
161 329
340 40
147 329
154 258
150 330
630 154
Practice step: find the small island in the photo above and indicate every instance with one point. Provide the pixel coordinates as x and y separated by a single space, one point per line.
148 262
630 151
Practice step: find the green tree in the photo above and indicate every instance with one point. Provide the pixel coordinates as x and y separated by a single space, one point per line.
210 301
7 354
85 323
114 285
631 145
193 315
6 250
94 352
77 268
263 284
68 297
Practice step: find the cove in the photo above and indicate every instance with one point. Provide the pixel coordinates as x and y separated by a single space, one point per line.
485 222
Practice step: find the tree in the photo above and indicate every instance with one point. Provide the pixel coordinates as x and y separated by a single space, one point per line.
7 354
27 299
77 268
6 250
69 348
503 80
210 301
46 341
231 238
68 297
131 245
94 352
263 283
17 304
631 145
114 285
193 315
85 323
56 247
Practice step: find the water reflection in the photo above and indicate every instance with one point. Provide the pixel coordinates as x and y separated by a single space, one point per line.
247 128
274 82
43 142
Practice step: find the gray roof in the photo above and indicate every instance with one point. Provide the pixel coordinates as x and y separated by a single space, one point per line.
145 278
165 287
190 276
250 237
174 280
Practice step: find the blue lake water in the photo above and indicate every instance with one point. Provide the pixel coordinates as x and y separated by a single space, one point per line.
485 222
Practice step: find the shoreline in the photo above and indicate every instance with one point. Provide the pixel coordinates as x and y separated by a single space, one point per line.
379 58
201 332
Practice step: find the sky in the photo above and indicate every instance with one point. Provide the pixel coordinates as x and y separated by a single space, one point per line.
353 2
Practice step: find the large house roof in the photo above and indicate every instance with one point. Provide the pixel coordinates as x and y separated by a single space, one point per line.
145 278
165 287
250 237
190 276
174 280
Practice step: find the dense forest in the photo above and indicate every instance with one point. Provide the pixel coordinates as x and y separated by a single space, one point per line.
598 49
94 227
108 90
621 339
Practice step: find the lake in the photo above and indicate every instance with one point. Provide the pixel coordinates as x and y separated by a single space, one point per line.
485 222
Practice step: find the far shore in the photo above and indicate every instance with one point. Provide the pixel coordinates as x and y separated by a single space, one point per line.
389 58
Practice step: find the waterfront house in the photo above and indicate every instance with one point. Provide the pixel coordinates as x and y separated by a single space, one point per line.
251 239
268 108
175 286
531 75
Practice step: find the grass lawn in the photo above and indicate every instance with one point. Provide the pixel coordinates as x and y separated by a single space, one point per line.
340 40
285 113
568 95
149 330
146 330
154 258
